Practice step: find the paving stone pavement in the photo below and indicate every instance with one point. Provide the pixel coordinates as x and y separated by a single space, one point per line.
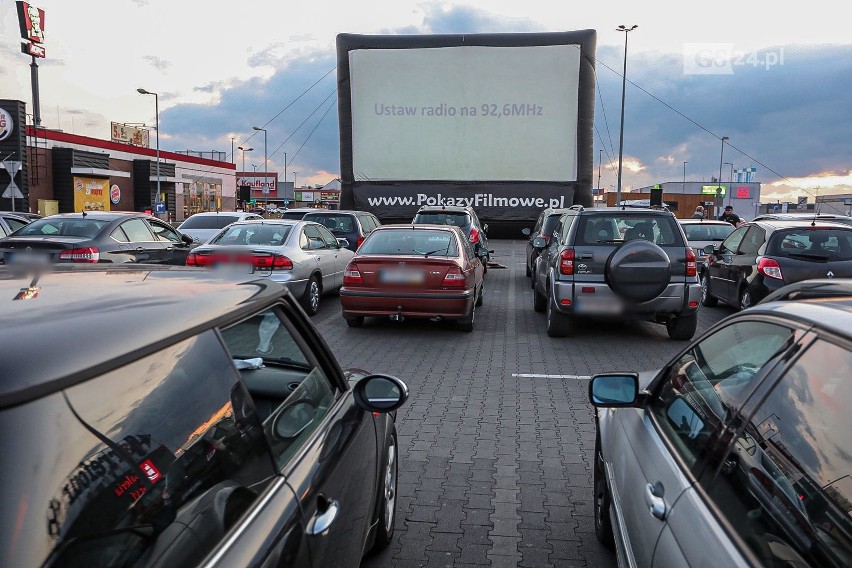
496 468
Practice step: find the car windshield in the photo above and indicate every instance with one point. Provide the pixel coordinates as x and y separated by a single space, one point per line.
258 234
812 243
63 227
334 223
208 222
620 227
707 231
410 242
443 218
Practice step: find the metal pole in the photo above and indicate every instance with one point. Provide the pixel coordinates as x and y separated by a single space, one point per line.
600 160
683 187
265 171
719 199
36 103
730 183
626 30
157 126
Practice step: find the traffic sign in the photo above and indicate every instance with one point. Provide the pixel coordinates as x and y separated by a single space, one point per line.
12 166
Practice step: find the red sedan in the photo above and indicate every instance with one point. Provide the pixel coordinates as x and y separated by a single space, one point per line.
417 271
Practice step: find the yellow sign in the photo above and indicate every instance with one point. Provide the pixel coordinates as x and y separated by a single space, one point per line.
91 194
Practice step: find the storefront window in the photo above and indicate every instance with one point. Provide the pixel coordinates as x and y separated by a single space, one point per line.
200 196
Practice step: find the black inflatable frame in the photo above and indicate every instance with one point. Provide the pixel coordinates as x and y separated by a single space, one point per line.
354 193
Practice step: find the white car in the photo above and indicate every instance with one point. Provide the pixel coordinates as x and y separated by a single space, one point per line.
703 232
203 226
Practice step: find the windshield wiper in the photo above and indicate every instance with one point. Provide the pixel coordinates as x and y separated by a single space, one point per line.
610 241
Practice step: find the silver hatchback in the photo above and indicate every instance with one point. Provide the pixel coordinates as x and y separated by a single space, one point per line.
737 453
303 256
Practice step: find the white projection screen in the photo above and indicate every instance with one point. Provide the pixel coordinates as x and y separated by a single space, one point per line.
465 113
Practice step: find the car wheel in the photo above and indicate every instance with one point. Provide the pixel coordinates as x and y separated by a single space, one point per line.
467 323
539 300
355 321
745 299
311 297
481 297
706 298
387 497
682 327
603 524
558 324
529 270
485 262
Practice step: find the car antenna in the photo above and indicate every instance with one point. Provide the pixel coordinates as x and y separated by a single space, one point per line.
816 209
84 212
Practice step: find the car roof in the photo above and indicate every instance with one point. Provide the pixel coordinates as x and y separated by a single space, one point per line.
418 226
702 222
157 306
626 210
99 215
833 314
448 208
793 223
801 215
217 213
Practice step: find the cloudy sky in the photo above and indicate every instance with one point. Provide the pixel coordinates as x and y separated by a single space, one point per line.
780 93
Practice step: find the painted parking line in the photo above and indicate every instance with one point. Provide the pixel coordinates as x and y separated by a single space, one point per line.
540 376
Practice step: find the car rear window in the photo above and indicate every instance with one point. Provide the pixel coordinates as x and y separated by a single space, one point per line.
707 231
76 227
252 234
815 243
208 222
410 242
457 219
339 224
620 227
550 224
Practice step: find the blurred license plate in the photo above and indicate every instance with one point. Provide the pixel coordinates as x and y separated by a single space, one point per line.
234 267
598 306
28 258
401 276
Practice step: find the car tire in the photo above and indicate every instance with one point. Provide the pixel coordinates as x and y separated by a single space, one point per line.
485 262
311 297
683 327
745 299
387 495
539 300
480 299
603 523
529 270
706 299
355 321
558 324
466 324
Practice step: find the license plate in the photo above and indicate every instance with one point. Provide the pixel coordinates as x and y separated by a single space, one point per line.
234 267
27 258
598 306
401 276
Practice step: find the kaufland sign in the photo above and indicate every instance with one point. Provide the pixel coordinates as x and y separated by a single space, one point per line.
261 184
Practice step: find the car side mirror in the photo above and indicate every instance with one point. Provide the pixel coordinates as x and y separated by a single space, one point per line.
612 391
380 393
485 228
342 243
539 243
187 240
709 249
526 231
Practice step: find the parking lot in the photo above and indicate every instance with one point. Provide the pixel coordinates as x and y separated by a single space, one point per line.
497 438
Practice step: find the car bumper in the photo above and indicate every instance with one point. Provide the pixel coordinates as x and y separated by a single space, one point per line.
295 285
444 303
598 299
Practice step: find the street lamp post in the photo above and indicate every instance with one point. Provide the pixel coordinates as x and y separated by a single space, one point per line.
265 172
600 160
626 30
244 150
157 129
683 187
295 175
730 181
718 201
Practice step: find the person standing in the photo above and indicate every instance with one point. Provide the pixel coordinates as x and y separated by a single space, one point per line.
699 213
730 216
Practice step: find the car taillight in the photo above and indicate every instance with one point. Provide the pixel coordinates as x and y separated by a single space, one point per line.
454 278
566 262
275 262
360 240
474 235
691 266
87 254
770 268
192 259
352 276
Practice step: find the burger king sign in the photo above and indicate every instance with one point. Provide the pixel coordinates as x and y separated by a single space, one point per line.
6 124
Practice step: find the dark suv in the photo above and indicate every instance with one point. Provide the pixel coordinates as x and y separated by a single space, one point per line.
543 228
617 263
166 417
354 226
464 218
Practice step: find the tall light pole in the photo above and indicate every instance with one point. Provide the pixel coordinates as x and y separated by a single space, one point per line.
719 197
600 161
626 30
157 128
244 150
233 158
265 172
730 182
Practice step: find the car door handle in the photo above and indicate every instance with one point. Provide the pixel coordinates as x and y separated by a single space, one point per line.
140 249
654 500
587 255
327 510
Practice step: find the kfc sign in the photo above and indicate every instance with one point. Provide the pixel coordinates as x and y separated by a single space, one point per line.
31 21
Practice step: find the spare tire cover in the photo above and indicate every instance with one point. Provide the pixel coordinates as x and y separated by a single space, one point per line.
638 271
